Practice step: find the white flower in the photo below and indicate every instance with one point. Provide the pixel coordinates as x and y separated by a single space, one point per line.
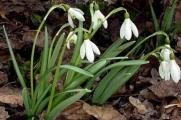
164 70
98 18
165 53
175 71
75 13
88 49
127 28
71 38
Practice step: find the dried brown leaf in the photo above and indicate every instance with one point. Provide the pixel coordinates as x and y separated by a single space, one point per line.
2 14
74 112
29 37
3 113
166 89
138 104
11 96
178 13
103 113
3 78
173 105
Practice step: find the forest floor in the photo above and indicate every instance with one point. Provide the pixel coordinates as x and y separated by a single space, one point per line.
145 97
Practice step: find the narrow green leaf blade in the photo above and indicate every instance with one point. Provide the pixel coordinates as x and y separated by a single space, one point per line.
26 100
77 69
22 81
61 106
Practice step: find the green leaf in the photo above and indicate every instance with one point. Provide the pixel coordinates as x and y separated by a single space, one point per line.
113 84
45 54
126 63
156 23
117 64
75 60
43 95
61 106
26 100
44 62
76 69
56 51
21 79
93 68
112 48
117 82
168 16
117 49
41 106
55 38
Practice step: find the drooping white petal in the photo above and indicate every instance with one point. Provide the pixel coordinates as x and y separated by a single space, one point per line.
70 21
164 70
68 45
95 48
122 30
102 18
128 33
80 17
175 71
105 24
89 51
76 13
161 71
82 50
165 53
79 10
134 29
98 17
95 22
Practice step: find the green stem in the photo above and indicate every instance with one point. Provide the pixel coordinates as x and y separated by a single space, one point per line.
34 44
76 52
154 51
147 38
56 78
54 39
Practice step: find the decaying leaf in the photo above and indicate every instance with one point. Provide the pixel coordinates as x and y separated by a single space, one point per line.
172 105
29 37
103 113
3 78
178 13
11 96
3 113
2 14
166 89
138 104
74 112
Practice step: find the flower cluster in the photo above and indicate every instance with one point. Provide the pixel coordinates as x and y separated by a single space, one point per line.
88 48
168 66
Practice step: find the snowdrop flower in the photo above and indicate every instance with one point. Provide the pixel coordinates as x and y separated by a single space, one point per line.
175 71
127 28
165 53
88 49
71 38
164 70
169 68
98 18
75 13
